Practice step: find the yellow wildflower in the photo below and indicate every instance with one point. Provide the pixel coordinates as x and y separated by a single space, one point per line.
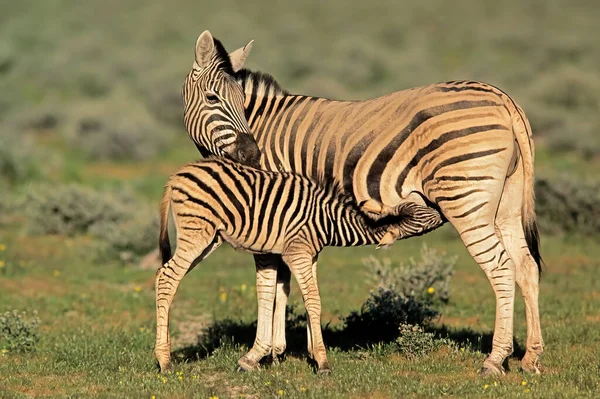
214 397
1 264
524 383
243 287
2 247
527 390
431 290
180 378
164 380
223 296
56 273
486 386
495 383
142 329
462 349
280 392
153 397
137 288
302 389
268 383
195 377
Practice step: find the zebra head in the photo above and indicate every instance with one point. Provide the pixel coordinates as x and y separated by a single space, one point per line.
214 103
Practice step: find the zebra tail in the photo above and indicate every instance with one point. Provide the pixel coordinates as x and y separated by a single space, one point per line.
522 132
164 244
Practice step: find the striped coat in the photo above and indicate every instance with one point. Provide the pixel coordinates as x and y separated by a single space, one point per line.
218 200
462 149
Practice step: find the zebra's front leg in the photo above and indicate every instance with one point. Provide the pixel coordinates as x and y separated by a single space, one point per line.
266 281
301 261
284 277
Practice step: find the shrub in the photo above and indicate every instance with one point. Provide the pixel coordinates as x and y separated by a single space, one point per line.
72 209
413 341
128 239
116 129
381 315
19 332
568 204
425 280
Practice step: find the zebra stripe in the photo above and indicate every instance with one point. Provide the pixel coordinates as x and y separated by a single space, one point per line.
431 146
210 203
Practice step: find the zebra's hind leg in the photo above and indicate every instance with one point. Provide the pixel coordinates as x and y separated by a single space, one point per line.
474 218
266 281
190 250
509 222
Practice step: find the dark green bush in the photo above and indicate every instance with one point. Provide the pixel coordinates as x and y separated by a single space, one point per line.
568 204
18 332
425 280
382 313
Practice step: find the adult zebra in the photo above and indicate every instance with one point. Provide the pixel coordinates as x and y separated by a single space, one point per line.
461 148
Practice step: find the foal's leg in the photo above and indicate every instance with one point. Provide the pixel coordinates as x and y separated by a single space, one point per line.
190 248
299 257
266 280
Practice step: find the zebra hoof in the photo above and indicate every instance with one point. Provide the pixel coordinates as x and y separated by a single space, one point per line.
324 369
247 365
490 369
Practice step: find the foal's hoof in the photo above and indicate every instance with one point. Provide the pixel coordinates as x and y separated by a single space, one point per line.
490 369
166 367
324 369
247 365
530 365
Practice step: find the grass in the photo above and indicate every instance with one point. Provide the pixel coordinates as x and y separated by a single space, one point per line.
62 61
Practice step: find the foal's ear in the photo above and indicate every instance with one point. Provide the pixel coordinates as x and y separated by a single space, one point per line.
238 57
205 49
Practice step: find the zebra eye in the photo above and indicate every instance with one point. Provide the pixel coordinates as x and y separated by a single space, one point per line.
212 98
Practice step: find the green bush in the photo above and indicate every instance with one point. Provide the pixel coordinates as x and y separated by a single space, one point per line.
568 204
414 341
72 209
18 332
382 313
425 280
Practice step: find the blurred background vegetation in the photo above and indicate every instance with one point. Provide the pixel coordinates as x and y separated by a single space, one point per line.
90 91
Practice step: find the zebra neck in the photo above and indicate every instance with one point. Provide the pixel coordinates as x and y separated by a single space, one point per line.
351 227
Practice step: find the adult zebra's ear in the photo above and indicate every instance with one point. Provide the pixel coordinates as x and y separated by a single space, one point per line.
238 57
205 49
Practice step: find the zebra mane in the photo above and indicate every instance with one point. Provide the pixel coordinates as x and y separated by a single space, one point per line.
223 56
250 79
333 187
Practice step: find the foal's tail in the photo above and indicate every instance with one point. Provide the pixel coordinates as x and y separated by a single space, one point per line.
164 245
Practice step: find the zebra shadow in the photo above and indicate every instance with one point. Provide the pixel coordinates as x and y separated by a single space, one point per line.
238 335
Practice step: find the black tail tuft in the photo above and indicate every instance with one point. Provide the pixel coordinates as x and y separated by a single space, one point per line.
165 250
532 236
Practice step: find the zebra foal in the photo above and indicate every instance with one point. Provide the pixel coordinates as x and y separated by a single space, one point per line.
217 200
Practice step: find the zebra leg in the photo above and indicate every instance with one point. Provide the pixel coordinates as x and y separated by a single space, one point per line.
299 257
284 277
474 218
509 221
190 250
266 277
